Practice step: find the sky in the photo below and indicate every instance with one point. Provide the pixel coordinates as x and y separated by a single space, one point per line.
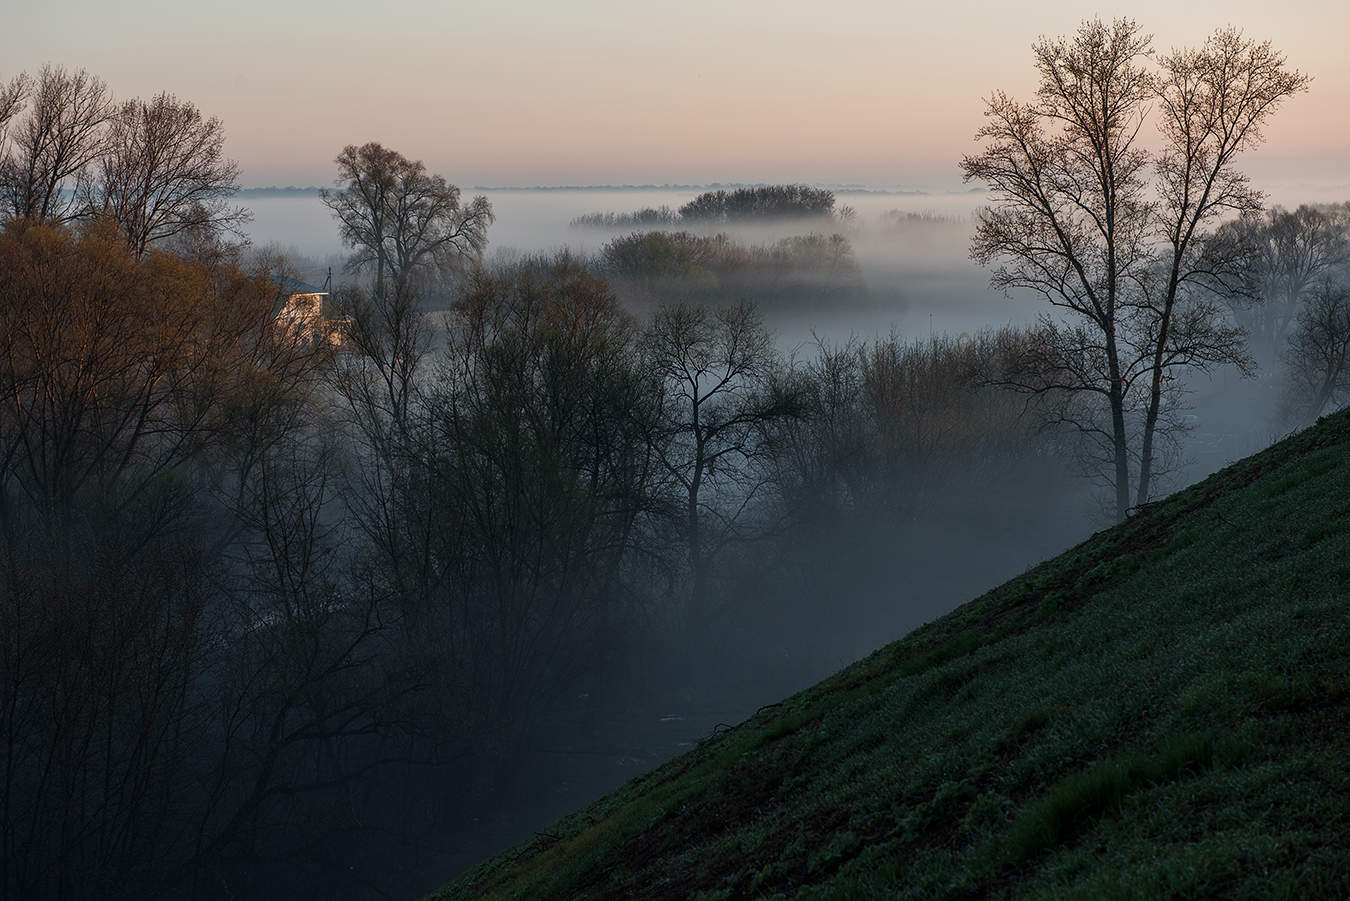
550 92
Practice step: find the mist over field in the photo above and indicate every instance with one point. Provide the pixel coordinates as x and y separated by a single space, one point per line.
912 250
916 275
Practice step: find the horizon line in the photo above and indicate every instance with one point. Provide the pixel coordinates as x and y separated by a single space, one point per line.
842 188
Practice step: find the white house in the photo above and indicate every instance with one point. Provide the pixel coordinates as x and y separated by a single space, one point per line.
304 310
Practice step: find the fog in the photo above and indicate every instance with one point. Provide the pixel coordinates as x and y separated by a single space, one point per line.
431 564
918 274
855 587
911 247
849 591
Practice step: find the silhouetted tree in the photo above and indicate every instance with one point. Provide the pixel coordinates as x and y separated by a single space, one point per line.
1070 204
403 223
1213 102
719 369
1318 355
1078 219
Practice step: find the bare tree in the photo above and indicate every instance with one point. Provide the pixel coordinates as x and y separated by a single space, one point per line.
49 151
719 372
1071 206
1318 355
1115 237
163 172
406 228
403 222
13 95
1212 102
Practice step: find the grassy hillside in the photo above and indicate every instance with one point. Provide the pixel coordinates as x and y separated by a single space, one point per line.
1163 710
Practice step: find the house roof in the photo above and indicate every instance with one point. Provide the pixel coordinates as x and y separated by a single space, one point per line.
295 286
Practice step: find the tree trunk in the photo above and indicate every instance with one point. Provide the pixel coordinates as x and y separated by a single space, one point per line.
696 612
1121 453
1120 448
1155 396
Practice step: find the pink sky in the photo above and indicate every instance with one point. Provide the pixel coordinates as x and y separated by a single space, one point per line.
593 92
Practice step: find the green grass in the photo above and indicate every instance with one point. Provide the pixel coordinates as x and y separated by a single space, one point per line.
1162 711
1071 804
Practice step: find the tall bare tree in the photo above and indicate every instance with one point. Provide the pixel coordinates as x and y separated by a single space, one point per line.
1114 236
1071 206
406 227
163 172
1212 103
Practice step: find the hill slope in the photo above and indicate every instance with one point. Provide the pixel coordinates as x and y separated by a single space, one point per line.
1163 710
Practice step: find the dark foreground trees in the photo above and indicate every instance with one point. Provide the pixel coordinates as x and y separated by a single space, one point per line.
539 486
283 611
1113 235
172 646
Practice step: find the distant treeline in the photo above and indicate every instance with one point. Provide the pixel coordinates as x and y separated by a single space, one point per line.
665 266
647 254
898 219
741 205
646 217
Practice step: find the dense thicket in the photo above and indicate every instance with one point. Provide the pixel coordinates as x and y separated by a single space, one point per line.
172 648
812 270
741 206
